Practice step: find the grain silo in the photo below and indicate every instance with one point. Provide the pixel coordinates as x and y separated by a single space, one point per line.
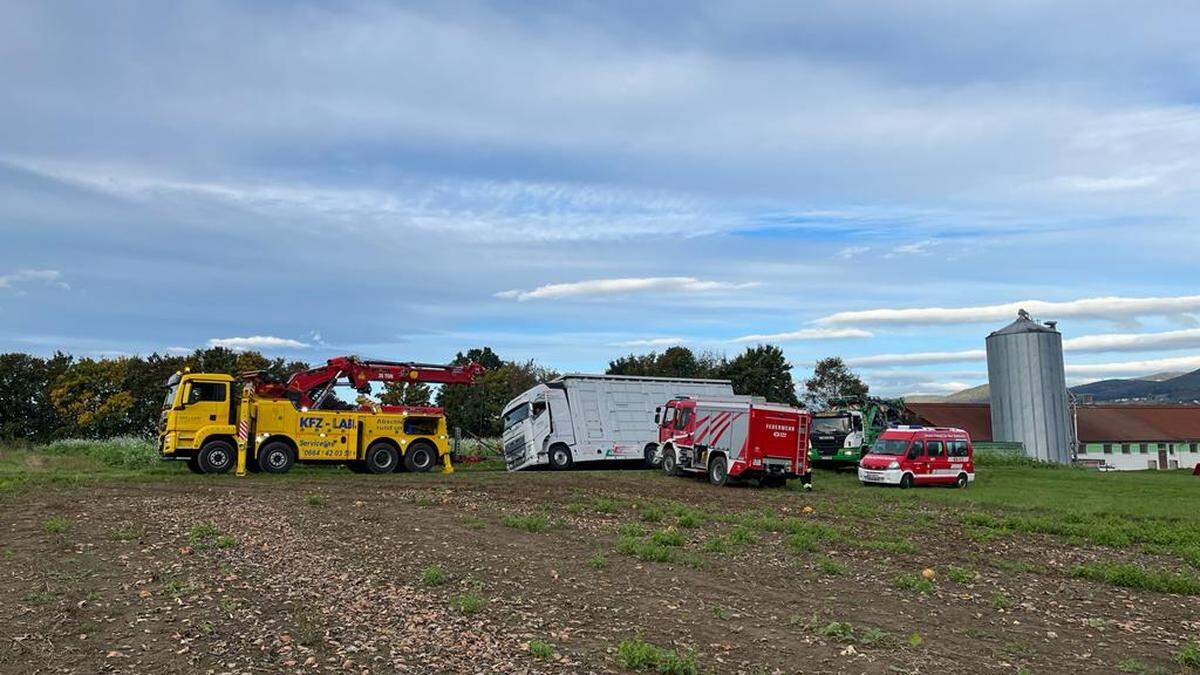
1029 389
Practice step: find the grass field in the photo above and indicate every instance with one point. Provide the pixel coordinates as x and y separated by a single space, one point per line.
1031 569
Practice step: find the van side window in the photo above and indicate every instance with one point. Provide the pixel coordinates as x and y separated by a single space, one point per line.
916 449
934 448
682 417
206 391
958 448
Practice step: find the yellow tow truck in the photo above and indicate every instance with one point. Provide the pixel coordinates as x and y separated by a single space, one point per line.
274 424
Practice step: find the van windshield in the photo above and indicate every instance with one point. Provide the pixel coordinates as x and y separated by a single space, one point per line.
515 415
889 446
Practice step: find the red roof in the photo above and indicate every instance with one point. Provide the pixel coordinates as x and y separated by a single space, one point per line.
1097 423
973 418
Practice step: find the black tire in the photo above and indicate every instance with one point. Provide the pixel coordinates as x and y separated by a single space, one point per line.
670 465
420 457
216 457
560 457
381 458
906 481
276 457
193 466
718 471
962 481
356 466
649 456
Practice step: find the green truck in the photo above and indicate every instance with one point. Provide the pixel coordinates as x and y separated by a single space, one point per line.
843 433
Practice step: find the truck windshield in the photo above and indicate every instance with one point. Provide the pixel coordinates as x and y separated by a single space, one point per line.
516 415
172 387
889 446
831 425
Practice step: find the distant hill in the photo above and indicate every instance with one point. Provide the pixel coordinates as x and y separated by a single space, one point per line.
1183 388
1166 387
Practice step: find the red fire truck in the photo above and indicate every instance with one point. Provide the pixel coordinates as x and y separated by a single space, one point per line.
734 438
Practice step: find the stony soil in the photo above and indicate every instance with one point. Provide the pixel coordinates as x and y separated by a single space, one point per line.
325 573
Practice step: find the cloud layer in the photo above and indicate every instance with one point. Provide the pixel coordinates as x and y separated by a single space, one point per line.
601 287
259 342
1113 308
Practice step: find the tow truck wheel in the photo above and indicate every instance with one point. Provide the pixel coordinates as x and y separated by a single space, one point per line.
275 457
420 457
906 481
381 458
961 481
560 457
193 466
669 464
718 471
215 457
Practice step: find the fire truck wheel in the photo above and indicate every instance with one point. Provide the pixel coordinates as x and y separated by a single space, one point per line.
560 457
669 464
906 481
718 470
216 457
961 481
420 457
193 466
276 457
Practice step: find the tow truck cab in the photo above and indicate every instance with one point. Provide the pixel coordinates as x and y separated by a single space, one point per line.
917 455
199 412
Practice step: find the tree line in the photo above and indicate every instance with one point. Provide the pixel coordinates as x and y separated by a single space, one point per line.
48 398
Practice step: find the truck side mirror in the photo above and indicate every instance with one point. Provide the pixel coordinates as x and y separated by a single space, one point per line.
658 416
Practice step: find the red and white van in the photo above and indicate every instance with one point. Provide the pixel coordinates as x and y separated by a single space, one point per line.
916 455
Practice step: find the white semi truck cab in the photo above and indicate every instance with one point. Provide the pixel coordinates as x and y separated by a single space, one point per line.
585 418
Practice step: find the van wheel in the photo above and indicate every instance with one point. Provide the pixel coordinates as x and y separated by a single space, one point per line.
560 457
718 471
961 481
419 457
381 458
276 457
669 465
906 481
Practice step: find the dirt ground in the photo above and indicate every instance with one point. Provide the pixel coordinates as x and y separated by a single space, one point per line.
329 573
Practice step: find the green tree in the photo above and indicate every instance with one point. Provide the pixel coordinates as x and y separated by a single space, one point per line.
26 411
145 380
832 379
762 371
91 396
476 409
406 393
673 362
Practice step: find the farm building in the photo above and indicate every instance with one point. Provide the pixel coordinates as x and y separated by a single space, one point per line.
1126 437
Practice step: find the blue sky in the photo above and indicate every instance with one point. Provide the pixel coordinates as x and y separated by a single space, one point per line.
570 182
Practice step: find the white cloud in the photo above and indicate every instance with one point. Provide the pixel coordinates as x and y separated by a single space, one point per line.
178 350
1095 308
1108 184
23 277
256 342
853 251
806 334
1133 342
915 248
651 342
918 358
597 287
1132 368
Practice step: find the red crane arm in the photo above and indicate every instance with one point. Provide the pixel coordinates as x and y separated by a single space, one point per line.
301 386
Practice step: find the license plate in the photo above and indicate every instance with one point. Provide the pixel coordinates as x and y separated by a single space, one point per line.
872 476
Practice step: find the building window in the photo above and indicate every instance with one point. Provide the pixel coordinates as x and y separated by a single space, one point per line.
1143 448
1108 448
1125 448
1192 447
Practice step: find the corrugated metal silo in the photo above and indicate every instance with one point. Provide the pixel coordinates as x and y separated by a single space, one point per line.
1029 389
